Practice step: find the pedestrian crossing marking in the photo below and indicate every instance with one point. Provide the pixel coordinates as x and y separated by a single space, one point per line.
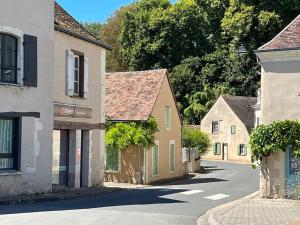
191 192
217 197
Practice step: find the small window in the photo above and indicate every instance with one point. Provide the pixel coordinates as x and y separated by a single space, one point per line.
9 144
215 127
172 156
8 58
78 74
112 159
242 150
217 149
168 117
233 129
155 160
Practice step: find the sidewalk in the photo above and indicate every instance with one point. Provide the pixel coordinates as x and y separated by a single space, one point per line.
253 210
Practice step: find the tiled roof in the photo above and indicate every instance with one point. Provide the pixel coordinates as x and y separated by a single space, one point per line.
289 37
131 96
241 106
64 22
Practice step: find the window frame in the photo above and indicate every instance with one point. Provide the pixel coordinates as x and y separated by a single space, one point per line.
15 67
80 56
244 148
17 137
168 120
119 161
172 142
212 127
233 131
216 146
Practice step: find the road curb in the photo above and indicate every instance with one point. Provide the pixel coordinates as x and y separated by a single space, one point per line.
209 217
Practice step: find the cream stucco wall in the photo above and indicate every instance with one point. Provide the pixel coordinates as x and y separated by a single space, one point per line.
164 136
33 18
280 79
96 95
222 112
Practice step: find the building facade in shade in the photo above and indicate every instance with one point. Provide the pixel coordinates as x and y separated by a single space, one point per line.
79 96
280 78
26 87
229 124
137 96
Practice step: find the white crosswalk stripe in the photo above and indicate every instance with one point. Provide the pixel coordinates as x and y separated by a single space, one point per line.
191 192
217 197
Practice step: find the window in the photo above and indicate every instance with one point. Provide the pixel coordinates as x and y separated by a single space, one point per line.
9 144
257 121
172 156
168 117
77 75
155 160
8 58
112 159
215 127
233 129
217 149
242 150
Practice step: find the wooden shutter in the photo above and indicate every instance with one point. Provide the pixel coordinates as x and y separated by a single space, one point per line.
172 157
215 149
70 73
168 119
86 77
245 150
30 61
219 149
155 160
238 149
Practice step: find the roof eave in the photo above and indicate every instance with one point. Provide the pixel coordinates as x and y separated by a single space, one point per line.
276 50
71 33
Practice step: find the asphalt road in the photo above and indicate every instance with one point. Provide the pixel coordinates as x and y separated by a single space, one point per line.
179 203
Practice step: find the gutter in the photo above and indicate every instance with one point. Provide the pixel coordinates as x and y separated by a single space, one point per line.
276 50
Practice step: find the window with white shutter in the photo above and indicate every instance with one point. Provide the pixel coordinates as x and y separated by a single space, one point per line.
70 72
86 77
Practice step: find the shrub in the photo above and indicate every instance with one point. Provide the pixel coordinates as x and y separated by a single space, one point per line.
194 138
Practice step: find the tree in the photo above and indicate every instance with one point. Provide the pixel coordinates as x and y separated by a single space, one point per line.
161 35
195 138
93 27
110 33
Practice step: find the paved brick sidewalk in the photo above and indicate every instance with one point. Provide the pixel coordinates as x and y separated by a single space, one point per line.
255 211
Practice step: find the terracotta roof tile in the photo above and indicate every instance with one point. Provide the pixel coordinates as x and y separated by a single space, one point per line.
242 107
289 37
64 22
131 96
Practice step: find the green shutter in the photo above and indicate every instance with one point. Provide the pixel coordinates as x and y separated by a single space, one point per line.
168 119
172 157
214 149
218 148
246 150
238 149
155 160
112 158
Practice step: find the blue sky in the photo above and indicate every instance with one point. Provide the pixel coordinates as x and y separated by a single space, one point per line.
92 10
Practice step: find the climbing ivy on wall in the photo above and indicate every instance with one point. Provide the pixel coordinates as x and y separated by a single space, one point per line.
277 136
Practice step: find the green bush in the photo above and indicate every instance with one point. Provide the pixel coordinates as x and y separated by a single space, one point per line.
279 135
194 138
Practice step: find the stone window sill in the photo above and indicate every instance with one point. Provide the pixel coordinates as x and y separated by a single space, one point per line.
10 173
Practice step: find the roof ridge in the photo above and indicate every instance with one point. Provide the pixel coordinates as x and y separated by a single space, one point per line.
137 72
280 33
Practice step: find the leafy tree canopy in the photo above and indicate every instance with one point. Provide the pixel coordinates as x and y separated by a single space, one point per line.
125 135
195 138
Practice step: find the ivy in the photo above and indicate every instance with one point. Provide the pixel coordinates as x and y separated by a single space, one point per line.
277 136
124 135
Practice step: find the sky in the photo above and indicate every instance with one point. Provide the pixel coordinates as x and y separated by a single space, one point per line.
92 10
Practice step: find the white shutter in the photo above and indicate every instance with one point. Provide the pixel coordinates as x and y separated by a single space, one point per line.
86 77
70 73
